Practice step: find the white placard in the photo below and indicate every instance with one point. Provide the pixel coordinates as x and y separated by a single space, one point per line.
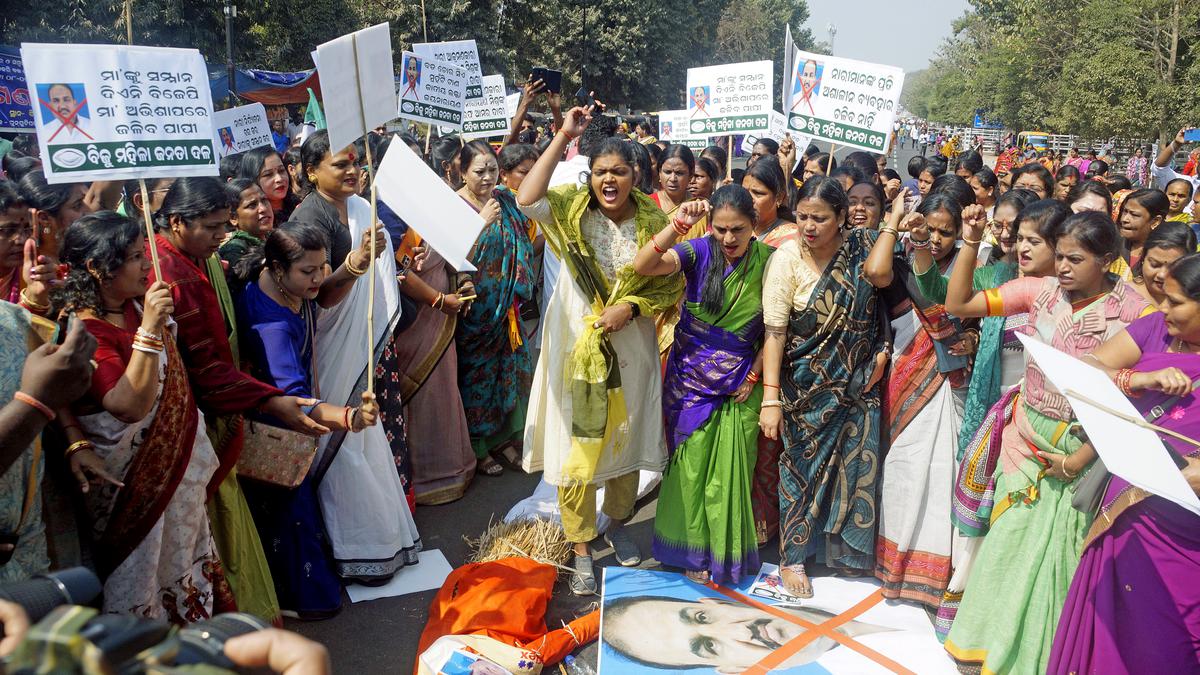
462 53
510 104
487 115
734 98
673 126
431 91
423 200
111 112
356 83
850 103
777 132
1132 452
240 129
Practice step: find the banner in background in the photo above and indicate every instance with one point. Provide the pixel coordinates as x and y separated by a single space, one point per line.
850 103
734 98
16 111
240 129
431 91
462 53
487 115
112 112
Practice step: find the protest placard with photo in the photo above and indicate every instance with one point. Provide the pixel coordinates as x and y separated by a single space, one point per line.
240 129
462 53
432 91
673 128
16 111
850 103
356 83
111 112
655 622
734 98
487 115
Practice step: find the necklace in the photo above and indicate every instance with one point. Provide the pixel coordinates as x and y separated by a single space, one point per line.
118 310
1181 347
293 303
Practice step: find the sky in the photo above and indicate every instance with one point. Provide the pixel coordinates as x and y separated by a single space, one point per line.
897 34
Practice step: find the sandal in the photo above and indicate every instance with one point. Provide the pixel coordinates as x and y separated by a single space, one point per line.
702 577
802 590
508 455
489 467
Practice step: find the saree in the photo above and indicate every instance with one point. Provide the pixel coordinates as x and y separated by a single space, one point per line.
579 429
371 529
495 369
152 539
206 326
21 333
1010 607
1133 605
704 520
923 408
829 467
279 345
764 491
426 377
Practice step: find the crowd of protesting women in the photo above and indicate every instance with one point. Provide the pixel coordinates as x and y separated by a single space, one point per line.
816 352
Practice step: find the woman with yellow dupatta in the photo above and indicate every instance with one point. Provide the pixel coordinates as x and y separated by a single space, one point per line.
594 415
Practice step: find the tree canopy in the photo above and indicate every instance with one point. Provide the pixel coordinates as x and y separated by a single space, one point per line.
1091 67
631 52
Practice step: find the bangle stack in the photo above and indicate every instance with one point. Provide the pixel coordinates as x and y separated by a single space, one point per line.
1122 379
681 228
752 377
919 245
35 404
657 249
972 242
78 446
354 271
33 305
145 341
348 419
890 230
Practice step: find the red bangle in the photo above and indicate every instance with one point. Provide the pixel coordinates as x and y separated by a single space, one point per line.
752 377
657 249
681 228
36 404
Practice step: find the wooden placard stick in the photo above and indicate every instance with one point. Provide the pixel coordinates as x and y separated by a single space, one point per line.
829 162
370 228
149 228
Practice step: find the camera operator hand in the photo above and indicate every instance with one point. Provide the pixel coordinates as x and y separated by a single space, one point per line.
282 651
15 623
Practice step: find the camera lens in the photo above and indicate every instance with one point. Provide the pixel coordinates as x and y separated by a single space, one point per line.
204 642
41 594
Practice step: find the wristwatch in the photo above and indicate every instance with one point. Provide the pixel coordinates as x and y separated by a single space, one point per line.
637 311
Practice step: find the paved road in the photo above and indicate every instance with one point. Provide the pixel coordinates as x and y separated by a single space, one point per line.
381 636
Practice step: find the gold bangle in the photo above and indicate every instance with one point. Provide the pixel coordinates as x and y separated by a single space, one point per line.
1066 472
972 242
890 230
78 446
32 304
354 271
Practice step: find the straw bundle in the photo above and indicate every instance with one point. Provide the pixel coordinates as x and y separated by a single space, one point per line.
534 538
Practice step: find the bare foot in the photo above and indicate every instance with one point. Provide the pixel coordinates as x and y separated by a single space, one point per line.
796 581
699 576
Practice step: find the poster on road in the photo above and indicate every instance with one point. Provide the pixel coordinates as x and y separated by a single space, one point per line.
850 103
113 112
240 129
432 91
734 98
16 113
487 115
462 53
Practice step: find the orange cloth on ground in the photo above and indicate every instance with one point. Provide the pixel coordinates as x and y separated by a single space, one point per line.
505 600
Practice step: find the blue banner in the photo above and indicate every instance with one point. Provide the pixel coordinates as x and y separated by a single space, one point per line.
16 112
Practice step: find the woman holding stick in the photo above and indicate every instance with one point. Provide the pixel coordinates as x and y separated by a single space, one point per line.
1138 540
594 414
361 477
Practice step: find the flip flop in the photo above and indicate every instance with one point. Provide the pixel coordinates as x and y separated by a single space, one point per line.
489 467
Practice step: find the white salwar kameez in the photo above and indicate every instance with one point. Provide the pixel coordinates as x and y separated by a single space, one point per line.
548 422
369 525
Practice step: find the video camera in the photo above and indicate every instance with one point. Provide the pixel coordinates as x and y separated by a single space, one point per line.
66 636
